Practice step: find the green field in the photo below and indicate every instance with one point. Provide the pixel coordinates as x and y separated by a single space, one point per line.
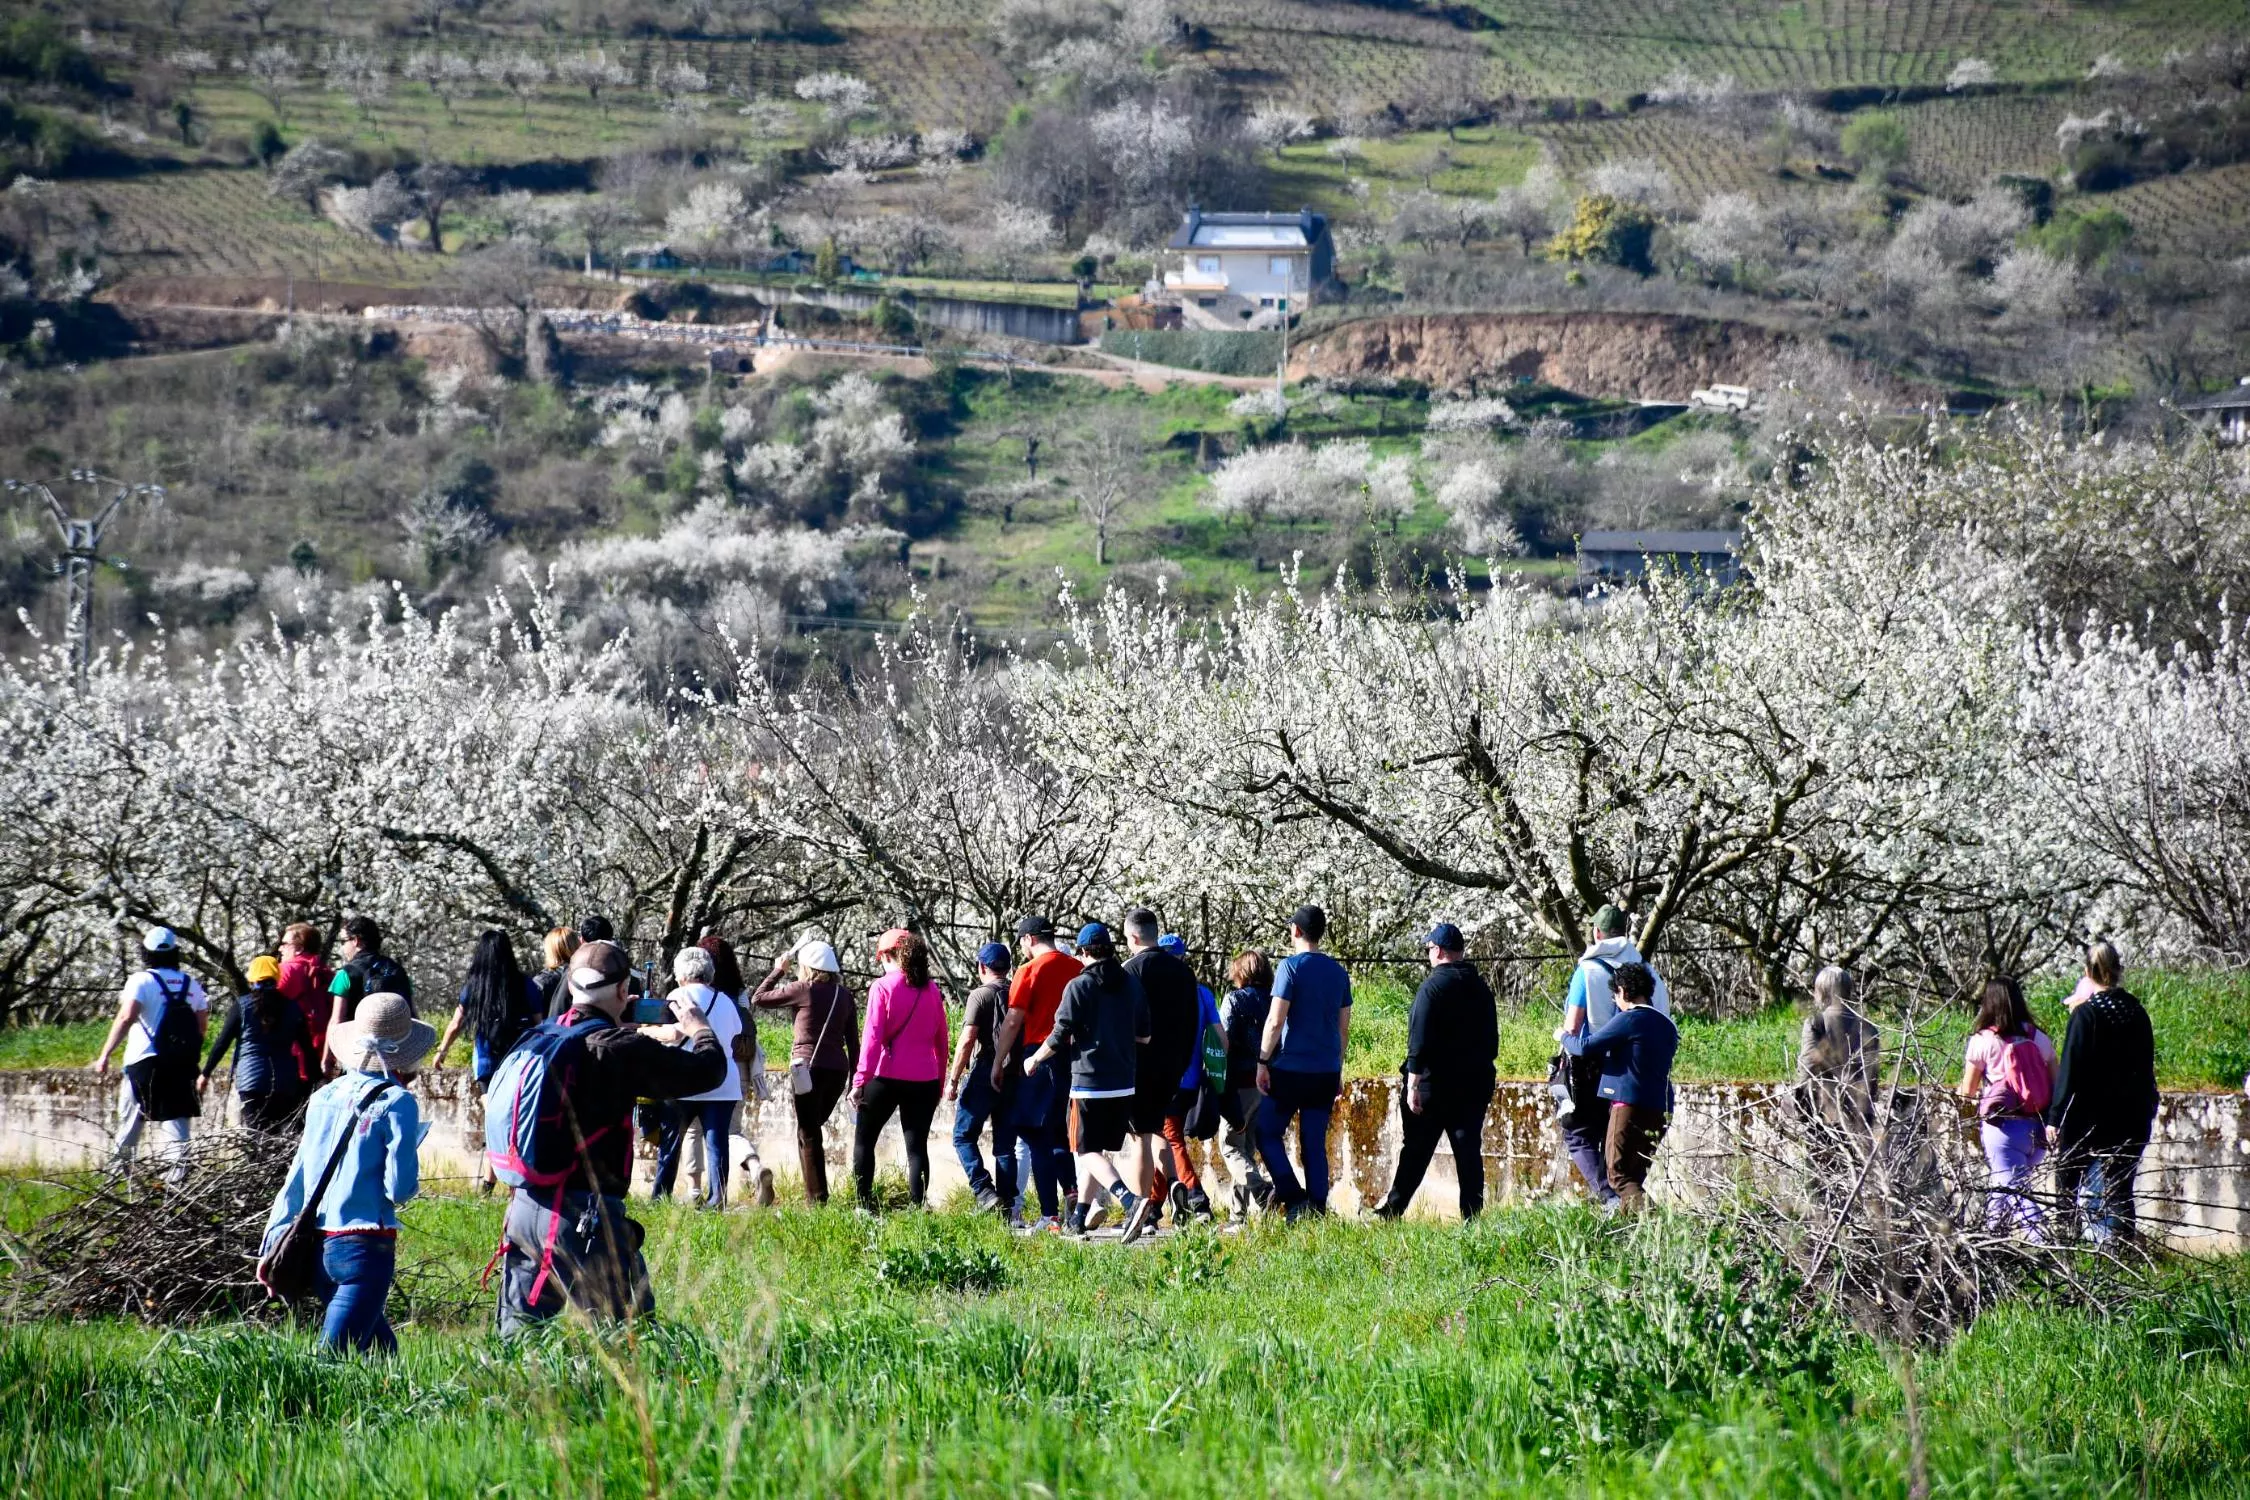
801 1352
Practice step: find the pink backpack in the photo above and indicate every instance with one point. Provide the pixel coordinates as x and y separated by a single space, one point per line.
2024 1073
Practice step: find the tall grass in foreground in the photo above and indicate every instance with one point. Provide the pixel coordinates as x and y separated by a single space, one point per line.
800 1353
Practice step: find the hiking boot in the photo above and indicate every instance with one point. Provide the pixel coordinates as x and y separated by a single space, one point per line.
1181 1205
765 1187
1138 1213
1297 1212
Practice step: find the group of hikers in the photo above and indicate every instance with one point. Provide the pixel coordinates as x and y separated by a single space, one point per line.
1092 1060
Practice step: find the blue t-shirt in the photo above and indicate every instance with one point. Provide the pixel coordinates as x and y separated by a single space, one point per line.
1319 992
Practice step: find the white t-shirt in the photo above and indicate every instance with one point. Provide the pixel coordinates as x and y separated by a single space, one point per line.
147 996
726 1025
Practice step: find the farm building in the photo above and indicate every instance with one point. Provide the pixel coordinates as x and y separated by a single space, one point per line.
2227 413
1612 556
1248 270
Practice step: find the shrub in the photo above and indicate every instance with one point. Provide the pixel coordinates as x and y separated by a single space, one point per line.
2085 239
1686 1312
1609 232
1876 140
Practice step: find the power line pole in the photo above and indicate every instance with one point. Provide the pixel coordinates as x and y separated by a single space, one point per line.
82 539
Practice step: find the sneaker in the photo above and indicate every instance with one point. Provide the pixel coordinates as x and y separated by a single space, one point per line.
1297 1212
1096 1217
1048 1224
765 1187
988 1201
1138 1213
1179 1201
1199 1206
1238 1203
1075 1225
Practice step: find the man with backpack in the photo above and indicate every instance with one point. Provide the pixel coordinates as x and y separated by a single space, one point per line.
160 1020
1042 1100
558 1130
1101 1025
1632 1056
1174 1034
977 1099
367 970
1591 1005
1445 1085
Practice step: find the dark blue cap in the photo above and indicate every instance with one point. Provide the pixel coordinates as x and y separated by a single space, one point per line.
1447 936
1092 932
1173 944
994 956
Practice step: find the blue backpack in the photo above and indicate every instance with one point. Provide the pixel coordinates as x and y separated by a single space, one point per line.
528 1136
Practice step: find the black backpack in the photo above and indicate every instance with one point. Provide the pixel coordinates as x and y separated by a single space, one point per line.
379 974
176 1041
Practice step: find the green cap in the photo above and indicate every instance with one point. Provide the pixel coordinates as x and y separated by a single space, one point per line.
1610 921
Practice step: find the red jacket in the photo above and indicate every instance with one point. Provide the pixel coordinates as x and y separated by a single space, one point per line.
304 980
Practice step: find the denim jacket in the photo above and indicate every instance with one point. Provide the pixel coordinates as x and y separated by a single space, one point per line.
380 1169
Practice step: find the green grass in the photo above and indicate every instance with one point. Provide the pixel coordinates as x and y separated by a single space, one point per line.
71 1046
803 1352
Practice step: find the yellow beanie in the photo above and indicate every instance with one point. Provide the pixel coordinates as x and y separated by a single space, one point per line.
264 969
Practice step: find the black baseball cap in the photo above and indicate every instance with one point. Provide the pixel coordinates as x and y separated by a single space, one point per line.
1309 920
1038 927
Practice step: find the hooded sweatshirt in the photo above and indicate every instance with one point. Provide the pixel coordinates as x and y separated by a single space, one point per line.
1589 982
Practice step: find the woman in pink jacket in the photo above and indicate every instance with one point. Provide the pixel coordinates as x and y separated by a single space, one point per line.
901 1063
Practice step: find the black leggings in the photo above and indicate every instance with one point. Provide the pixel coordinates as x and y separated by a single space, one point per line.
813 1110
915 1104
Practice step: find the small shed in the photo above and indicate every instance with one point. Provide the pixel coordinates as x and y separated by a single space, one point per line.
1618 556
2226 413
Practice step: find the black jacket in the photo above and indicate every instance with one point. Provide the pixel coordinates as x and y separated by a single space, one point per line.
1453 1035
622 1066
2105 1086
1175 1015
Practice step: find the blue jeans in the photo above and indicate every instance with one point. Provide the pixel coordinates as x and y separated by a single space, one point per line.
1041 1105
1309 1097
978 1103
355 1281
714 1118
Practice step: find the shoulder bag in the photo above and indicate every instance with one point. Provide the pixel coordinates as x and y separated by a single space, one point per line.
292 1271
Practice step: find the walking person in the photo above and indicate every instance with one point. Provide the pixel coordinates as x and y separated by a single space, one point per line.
1243 1017
1589 1006
707 1116
2009 1072
497 1005
370 1125
160 1022
1174 1034
551 982
1301 1063
1839 1058
977 1100
1042 1098
1195 1112
901 1064
2105 1101
557 1124
1445 1084
1099 1030
304 982
824 1049
367 970
1632 1054
274 1061
749 1063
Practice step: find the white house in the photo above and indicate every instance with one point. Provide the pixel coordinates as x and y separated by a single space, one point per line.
2227 413
1248 270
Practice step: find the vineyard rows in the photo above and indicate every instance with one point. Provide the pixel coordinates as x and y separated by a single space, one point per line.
222 223
2203 214
1960 144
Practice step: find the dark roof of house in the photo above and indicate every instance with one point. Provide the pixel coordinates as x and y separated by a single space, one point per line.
2234 399
1247 231
1661 543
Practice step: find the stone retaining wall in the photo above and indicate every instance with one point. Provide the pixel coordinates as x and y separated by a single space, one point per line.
2195 1180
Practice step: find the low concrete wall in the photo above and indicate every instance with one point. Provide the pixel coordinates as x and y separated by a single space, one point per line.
1015 320
2195 1179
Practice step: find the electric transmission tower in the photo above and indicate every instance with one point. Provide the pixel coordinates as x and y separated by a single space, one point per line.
82 539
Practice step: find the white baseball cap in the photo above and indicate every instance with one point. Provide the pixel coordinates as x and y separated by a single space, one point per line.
161 940
815 954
